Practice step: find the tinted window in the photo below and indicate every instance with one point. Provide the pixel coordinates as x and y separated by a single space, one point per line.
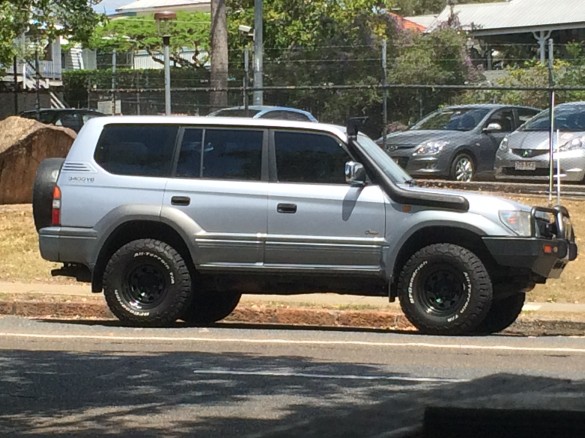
236 112
568 118
525 114
456 119
70 120
311 158
227 154
136 150
285 115
504 118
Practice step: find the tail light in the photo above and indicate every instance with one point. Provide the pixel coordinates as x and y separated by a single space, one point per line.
56 206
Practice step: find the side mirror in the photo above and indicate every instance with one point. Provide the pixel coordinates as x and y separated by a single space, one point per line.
355 174
493 127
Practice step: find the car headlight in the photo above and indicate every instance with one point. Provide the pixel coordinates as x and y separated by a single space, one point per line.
520 222
504 144
575 143
431 147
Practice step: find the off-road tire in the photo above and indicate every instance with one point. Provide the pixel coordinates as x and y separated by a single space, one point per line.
42 196
445 289
502 314
209 307
147 283
462 168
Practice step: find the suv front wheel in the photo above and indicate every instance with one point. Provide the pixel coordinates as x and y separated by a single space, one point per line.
445 289
147 283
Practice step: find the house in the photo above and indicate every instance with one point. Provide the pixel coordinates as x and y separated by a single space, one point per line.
522 24
139 7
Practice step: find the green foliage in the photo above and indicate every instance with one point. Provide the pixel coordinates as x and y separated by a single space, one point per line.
189 30
318 43
43 21
533 75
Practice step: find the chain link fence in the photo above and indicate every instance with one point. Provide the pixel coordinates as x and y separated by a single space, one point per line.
350 82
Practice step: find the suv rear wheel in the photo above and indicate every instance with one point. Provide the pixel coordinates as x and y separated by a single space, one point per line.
445 289
147 283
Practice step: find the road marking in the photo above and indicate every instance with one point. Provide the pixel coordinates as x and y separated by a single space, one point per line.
296 342
327 376
531 307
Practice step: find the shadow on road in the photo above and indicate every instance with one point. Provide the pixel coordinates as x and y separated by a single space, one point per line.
58 394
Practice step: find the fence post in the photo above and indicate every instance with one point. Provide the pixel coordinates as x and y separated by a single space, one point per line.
246 76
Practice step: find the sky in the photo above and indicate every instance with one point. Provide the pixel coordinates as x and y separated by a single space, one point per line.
109 6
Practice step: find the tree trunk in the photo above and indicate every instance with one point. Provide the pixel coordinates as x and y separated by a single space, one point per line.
219 55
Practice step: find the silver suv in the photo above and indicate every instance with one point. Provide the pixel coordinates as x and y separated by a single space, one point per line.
173 218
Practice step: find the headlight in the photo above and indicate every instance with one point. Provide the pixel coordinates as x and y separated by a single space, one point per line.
575 143
431 147
504 144
517 221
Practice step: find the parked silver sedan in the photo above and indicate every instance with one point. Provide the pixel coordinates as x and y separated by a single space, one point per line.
525 153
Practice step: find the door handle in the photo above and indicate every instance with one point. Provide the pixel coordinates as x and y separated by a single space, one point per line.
286 208
180 200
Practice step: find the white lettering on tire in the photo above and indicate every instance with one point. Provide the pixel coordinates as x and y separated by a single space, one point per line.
411 282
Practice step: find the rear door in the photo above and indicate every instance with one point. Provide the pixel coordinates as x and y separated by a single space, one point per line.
219 195
316 221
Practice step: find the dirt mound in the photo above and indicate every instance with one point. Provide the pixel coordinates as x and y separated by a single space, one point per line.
24 143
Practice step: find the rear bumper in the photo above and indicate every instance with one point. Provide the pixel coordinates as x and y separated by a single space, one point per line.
68 245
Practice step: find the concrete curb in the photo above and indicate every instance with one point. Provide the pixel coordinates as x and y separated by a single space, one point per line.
248 313
285 314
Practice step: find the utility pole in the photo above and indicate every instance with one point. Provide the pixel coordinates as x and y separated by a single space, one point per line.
258 95
219 55
385 84
551 138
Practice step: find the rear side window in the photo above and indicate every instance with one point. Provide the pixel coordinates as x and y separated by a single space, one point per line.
309 158
221 154
136 149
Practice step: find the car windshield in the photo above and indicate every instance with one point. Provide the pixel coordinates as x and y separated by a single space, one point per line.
452 119
387 164
570 118
235 112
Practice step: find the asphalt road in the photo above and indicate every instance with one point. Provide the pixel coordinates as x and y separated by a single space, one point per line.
95 378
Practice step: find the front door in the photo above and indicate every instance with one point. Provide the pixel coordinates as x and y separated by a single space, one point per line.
316 221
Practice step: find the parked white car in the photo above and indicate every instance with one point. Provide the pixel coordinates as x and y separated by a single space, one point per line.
525 153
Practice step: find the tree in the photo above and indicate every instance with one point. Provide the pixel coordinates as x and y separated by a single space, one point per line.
321 43
46 20
190 30
219 54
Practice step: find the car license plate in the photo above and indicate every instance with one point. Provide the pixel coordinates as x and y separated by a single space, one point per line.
525 165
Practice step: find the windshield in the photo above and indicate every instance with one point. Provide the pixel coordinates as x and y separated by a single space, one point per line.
570 118
387 164
452 119
236 112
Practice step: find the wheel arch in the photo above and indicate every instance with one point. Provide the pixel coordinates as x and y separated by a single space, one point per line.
438 234
463 150
133 230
